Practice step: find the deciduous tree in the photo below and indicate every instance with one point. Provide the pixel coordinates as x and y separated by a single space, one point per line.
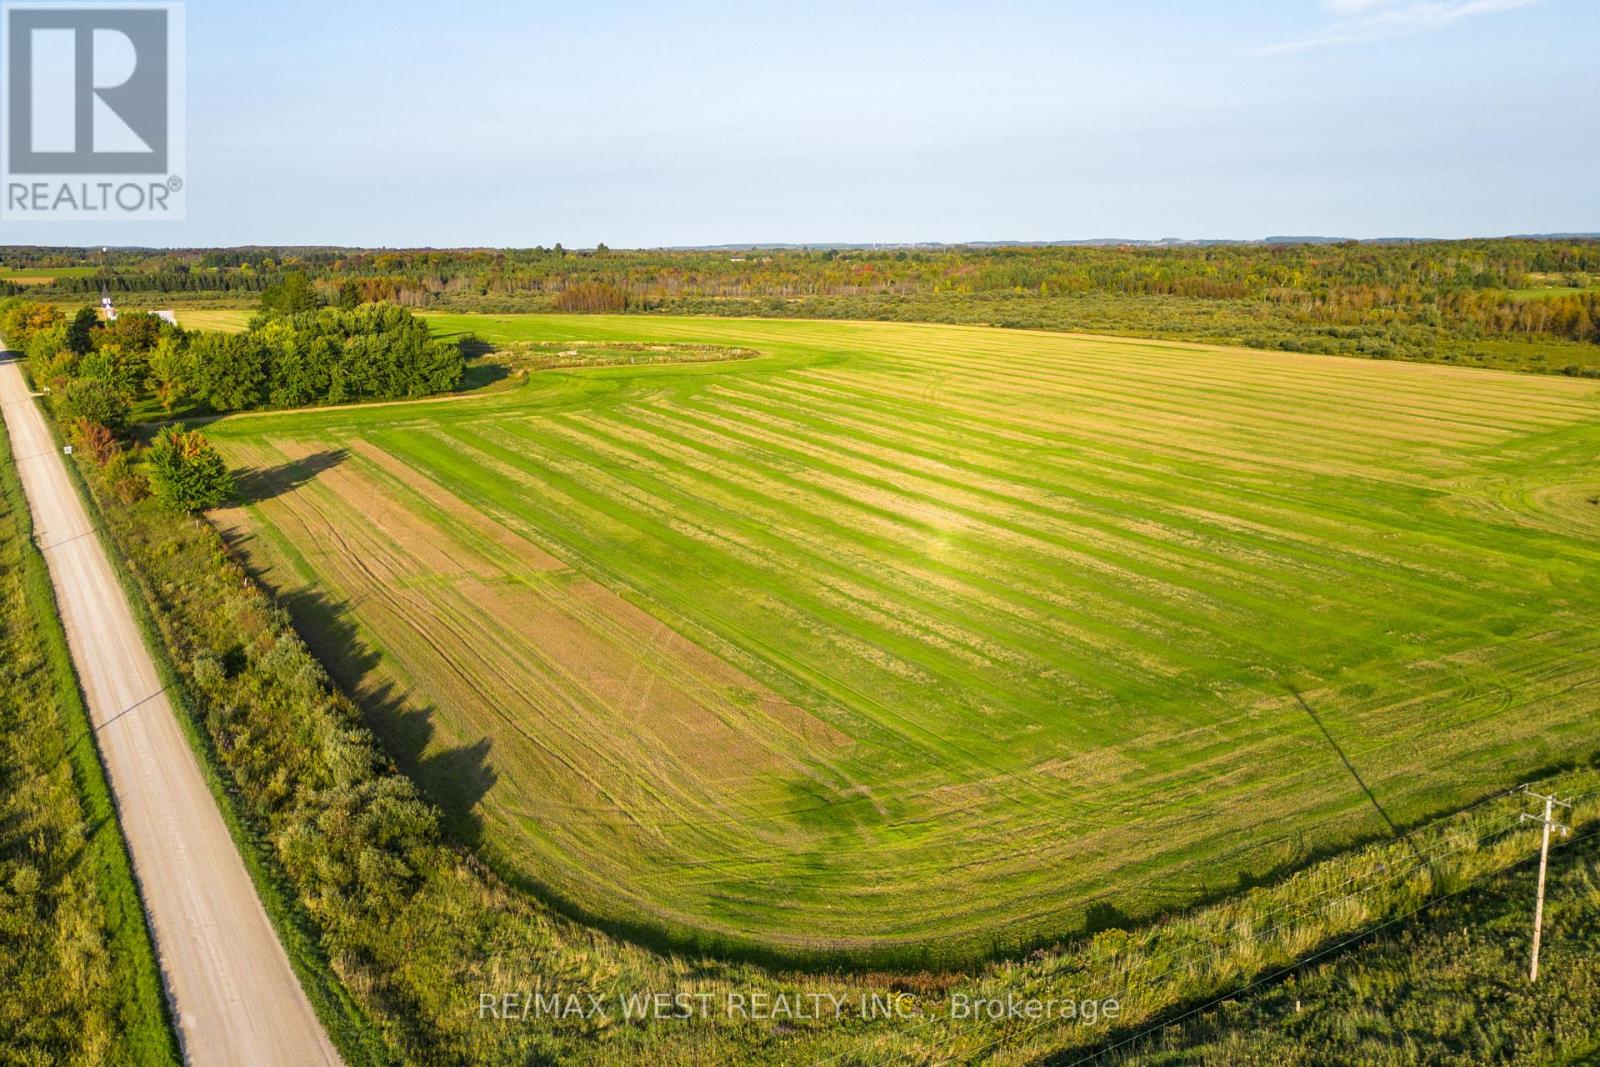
186 472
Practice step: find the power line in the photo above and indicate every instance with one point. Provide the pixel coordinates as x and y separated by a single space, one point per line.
1302 911
1302 907
1276 974
1547 823
1222 949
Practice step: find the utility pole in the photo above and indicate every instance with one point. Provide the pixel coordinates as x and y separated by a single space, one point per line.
1547 821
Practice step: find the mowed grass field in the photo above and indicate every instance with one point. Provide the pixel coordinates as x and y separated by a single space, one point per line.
223 320
907 643
42 275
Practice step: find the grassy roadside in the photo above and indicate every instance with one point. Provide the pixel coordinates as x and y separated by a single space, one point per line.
358 1043
1450 988
76 961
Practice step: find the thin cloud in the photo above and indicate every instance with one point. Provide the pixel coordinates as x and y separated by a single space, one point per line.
1359 21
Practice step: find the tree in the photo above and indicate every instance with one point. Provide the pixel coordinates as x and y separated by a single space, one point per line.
95 400
80 331
186 472
229 370
112 363
23 319
291 296
303 355
349 295
136 331
171 371
50 361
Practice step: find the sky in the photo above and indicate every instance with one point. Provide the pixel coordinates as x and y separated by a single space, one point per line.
480 123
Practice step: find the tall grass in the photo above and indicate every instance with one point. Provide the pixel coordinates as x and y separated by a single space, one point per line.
80 980
1449 988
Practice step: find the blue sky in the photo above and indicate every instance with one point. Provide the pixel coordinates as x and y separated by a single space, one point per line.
641 124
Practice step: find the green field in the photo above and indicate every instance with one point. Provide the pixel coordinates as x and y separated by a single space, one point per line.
225 320
903 639
1548 292
42 275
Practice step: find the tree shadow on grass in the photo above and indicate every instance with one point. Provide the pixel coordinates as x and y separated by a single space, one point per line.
474 348
480 374
479 371
455 779
1102 915
255 484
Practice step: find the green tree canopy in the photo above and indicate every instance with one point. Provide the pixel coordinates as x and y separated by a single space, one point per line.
136 331
22 319
229 370
124 369
96 400
186 472
172 370
291 296
80 331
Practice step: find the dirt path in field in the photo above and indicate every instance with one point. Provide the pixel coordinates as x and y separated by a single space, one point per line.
235 997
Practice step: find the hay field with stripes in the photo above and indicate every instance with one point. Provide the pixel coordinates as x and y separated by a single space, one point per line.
912 644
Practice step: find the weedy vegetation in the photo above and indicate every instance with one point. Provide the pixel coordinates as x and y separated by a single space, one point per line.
79 975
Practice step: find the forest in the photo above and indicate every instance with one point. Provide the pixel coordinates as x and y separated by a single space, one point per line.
1525 304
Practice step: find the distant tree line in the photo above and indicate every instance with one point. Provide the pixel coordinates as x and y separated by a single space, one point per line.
1465 288
178 281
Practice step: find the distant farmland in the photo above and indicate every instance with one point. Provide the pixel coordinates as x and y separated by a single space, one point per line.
914 642
42 275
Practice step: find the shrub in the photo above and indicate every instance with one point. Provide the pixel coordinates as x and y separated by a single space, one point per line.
95 438
124 478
